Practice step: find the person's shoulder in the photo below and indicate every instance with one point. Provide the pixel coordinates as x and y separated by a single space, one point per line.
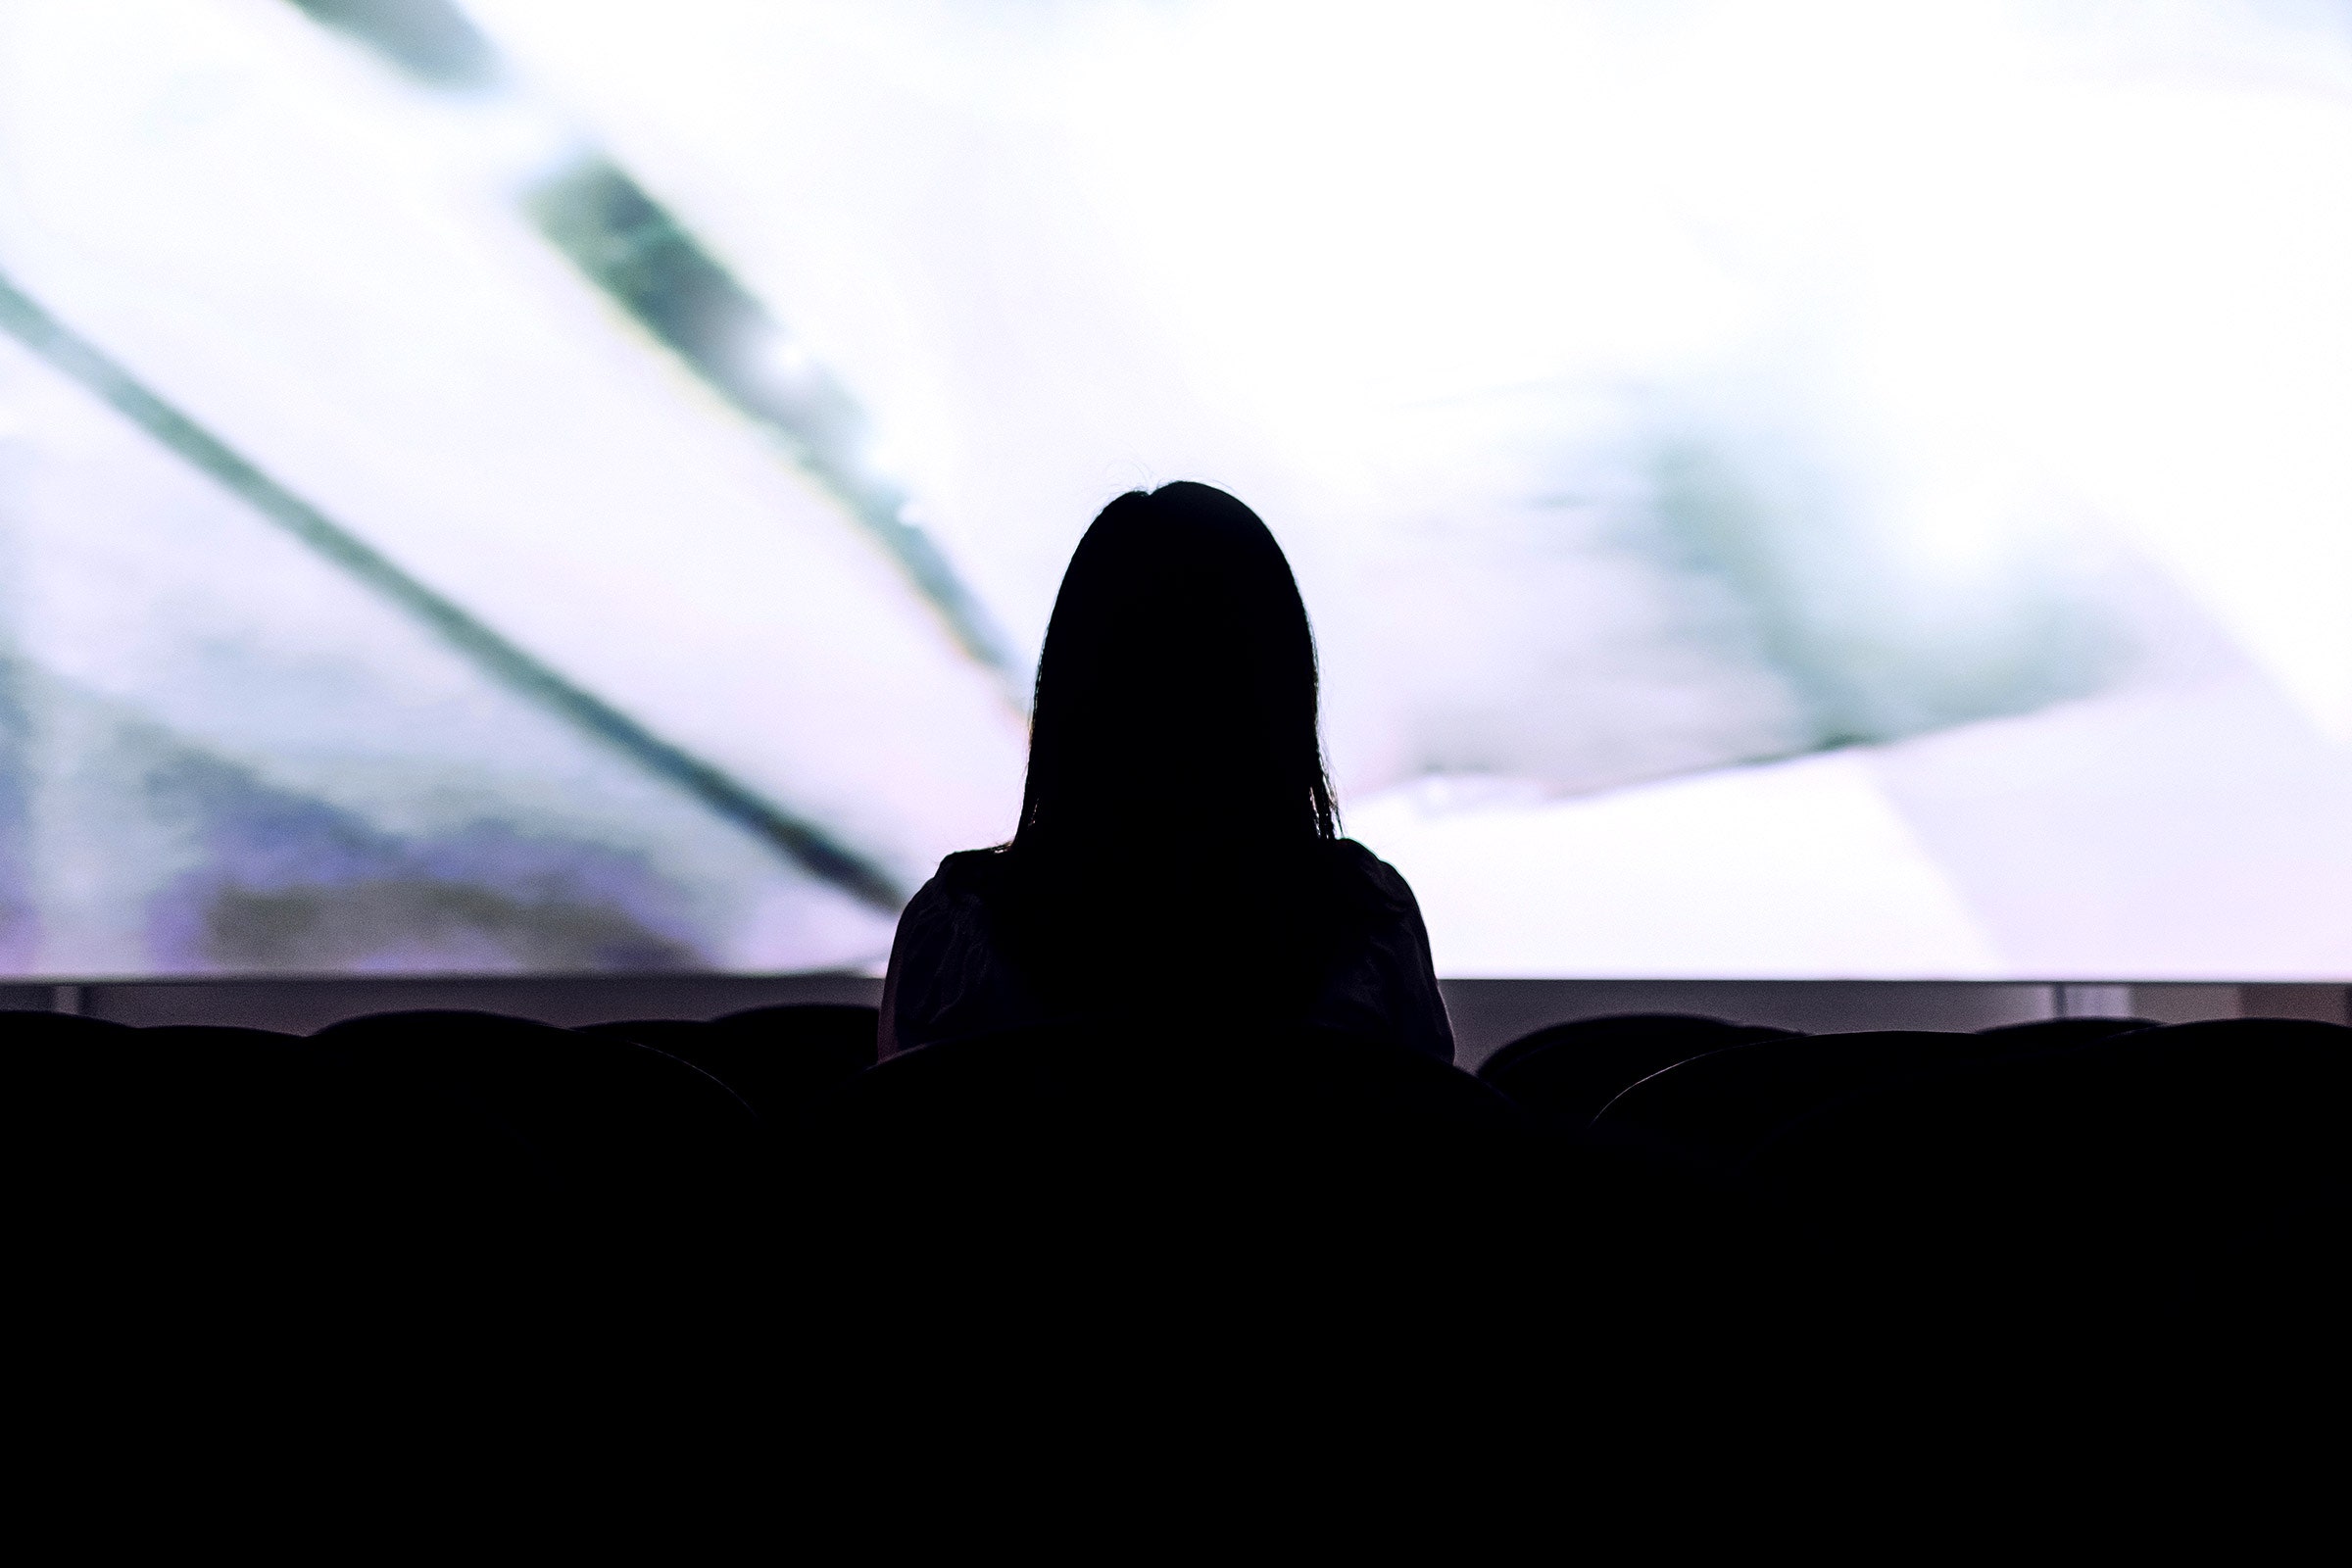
1368 875
953 911
1353 860
967 876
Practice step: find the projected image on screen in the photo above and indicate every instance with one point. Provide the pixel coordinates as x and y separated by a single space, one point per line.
1809 490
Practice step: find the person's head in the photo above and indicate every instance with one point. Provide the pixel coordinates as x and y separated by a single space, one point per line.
1176 693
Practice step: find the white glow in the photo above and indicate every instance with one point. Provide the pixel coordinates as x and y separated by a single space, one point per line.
1641 392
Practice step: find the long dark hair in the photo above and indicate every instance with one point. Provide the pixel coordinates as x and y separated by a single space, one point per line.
1177 693
1176 796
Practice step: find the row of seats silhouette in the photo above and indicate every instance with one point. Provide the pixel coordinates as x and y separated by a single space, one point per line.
2095 1157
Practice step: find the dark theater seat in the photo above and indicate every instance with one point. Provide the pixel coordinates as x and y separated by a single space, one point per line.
1200 1160
1272 1199
1721 1105
624 1129
18 1030
150 1127
2172 1177
782 1060
2043 1034
1568 1072
1187 1112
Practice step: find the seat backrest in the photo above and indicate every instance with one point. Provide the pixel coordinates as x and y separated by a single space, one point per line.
213 1166
27 1027
1721 1105
785 1059
624 1129
2047 1034
1284 1197
681 1038
223 1104
1199 1159
2091 1184
79 1119
1567 1072
64 1114
1161 1093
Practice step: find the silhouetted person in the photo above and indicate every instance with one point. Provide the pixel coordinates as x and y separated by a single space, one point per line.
1178 859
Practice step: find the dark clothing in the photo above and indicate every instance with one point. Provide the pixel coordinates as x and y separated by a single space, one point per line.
952 974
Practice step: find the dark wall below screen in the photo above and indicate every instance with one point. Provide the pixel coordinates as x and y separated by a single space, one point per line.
1487 1013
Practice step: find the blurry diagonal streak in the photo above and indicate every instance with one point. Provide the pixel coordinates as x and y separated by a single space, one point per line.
653 269
648 264
802 843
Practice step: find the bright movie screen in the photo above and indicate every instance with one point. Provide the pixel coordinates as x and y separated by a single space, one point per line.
1782 490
